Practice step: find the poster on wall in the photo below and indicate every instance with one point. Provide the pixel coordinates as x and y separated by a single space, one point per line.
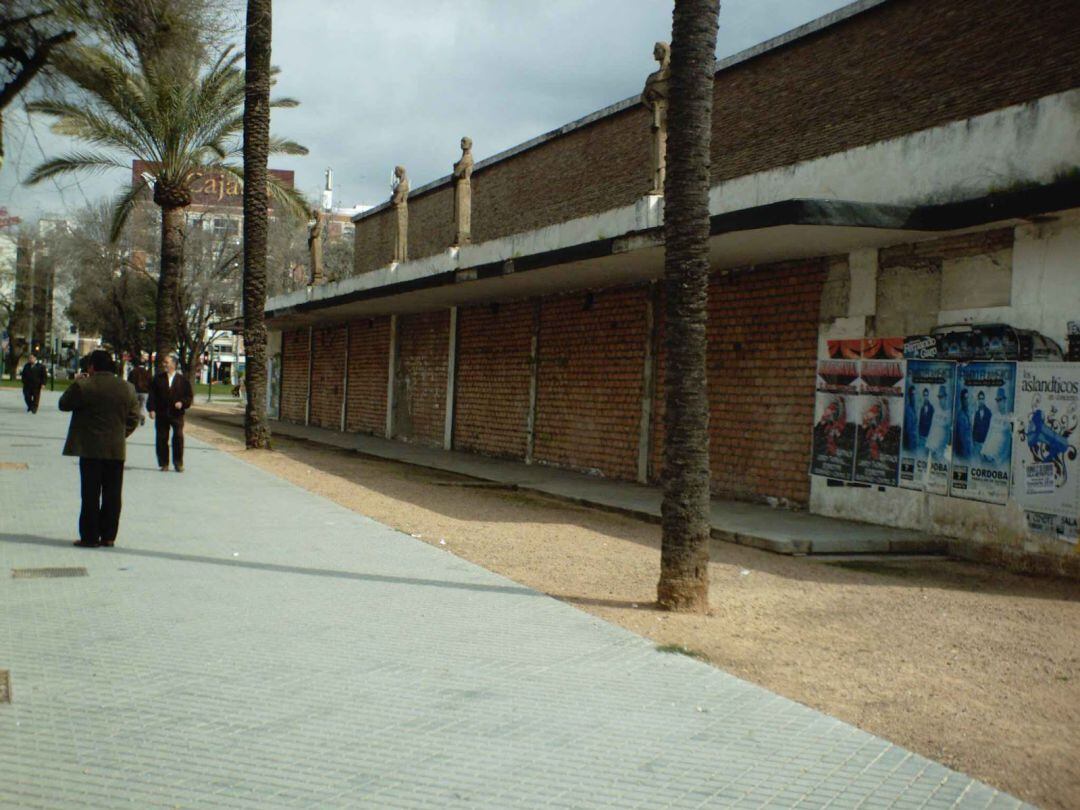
845 349
835 419
886 348
881 414
1046 475
982 431
926 449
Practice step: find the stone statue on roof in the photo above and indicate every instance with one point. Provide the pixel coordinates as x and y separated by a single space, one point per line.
655 98
314 242
463 194
399 197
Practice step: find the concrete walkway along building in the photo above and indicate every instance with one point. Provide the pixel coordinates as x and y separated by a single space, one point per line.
302 655
889 170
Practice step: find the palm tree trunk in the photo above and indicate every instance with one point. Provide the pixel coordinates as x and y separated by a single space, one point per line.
684 556
256 150
172 262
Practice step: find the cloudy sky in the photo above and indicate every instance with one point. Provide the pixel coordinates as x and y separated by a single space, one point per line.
400 82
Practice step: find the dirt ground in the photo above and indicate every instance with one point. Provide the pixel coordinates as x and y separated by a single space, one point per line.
965 664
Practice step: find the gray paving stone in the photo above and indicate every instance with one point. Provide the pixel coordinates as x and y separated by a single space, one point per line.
251 645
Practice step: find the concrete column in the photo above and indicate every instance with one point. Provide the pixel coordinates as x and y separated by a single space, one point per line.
310 369
451 380
390 377
534 363
648 387
345 381
863 266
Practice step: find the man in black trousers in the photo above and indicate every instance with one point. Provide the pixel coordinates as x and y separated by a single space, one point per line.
170 397
34 376
104 412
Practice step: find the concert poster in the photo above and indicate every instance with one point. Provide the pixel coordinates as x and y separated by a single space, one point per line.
982 431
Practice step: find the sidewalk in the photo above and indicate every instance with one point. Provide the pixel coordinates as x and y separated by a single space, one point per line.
251 645
749 524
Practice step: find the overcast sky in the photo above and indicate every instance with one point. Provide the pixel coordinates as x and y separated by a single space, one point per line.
382 83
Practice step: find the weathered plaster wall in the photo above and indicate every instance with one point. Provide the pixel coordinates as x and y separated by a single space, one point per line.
1044 294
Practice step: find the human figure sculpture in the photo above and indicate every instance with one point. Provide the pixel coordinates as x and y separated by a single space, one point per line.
314 243
399 197
463 193
655 97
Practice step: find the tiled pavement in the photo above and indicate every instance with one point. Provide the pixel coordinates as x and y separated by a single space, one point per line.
251 645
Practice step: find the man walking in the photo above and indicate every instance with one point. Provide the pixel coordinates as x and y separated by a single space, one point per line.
104 412
170 397
140 377
34 376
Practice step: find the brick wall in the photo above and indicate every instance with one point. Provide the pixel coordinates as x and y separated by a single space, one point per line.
369 367
431 230
294 375
491 400
420 379
327 376
855 83
901 67
373 241
763 329
589 381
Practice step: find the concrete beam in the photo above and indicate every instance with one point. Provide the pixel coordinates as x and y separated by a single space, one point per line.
391 377
310 369
534 360
451 380
345 381
648 387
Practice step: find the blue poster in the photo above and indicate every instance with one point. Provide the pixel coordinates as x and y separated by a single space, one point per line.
982 431
926 450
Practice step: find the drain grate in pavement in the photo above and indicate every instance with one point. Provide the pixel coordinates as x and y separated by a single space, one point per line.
14 465
47 573
26 445
5 686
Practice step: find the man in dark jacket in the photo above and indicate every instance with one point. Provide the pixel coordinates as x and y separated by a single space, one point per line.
34 376
104 412
140 377
170 397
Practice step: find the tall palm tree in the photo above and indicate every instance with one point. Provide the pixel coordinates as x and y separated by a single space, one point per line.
181 119
684 556
256 149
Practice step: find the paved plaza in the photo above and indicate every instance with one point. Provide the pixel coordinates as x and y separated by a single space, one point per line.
248 644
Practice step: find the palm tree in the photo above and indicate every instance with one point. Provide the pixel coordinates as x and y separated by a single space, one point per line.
181 119
256 149
684 555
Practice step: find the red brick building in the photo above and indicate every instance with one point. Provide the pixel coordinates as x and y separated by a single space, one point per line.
859 164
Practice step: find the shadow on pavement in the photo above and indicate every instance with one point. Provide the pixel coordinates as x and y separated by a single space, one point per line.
428 489
35 540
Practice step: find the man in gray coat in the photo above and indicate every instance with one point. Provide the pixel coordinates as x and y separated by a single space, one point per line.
104 412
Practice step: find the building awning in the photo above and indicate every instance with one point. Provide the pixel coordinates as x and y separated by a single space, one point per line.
787 230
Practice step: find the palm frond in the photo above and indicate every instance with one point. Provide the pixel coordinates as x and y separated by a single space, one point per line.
282 146
284 103
122 207
85 123
73 162
291 201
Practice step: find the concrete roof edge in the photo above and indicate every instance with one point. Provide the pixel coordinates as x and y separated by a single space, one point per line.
930 217
812 27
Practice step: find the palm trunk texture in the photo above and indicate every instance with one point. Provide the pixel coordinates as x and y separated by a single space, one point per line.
256 150
172 262
684 556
